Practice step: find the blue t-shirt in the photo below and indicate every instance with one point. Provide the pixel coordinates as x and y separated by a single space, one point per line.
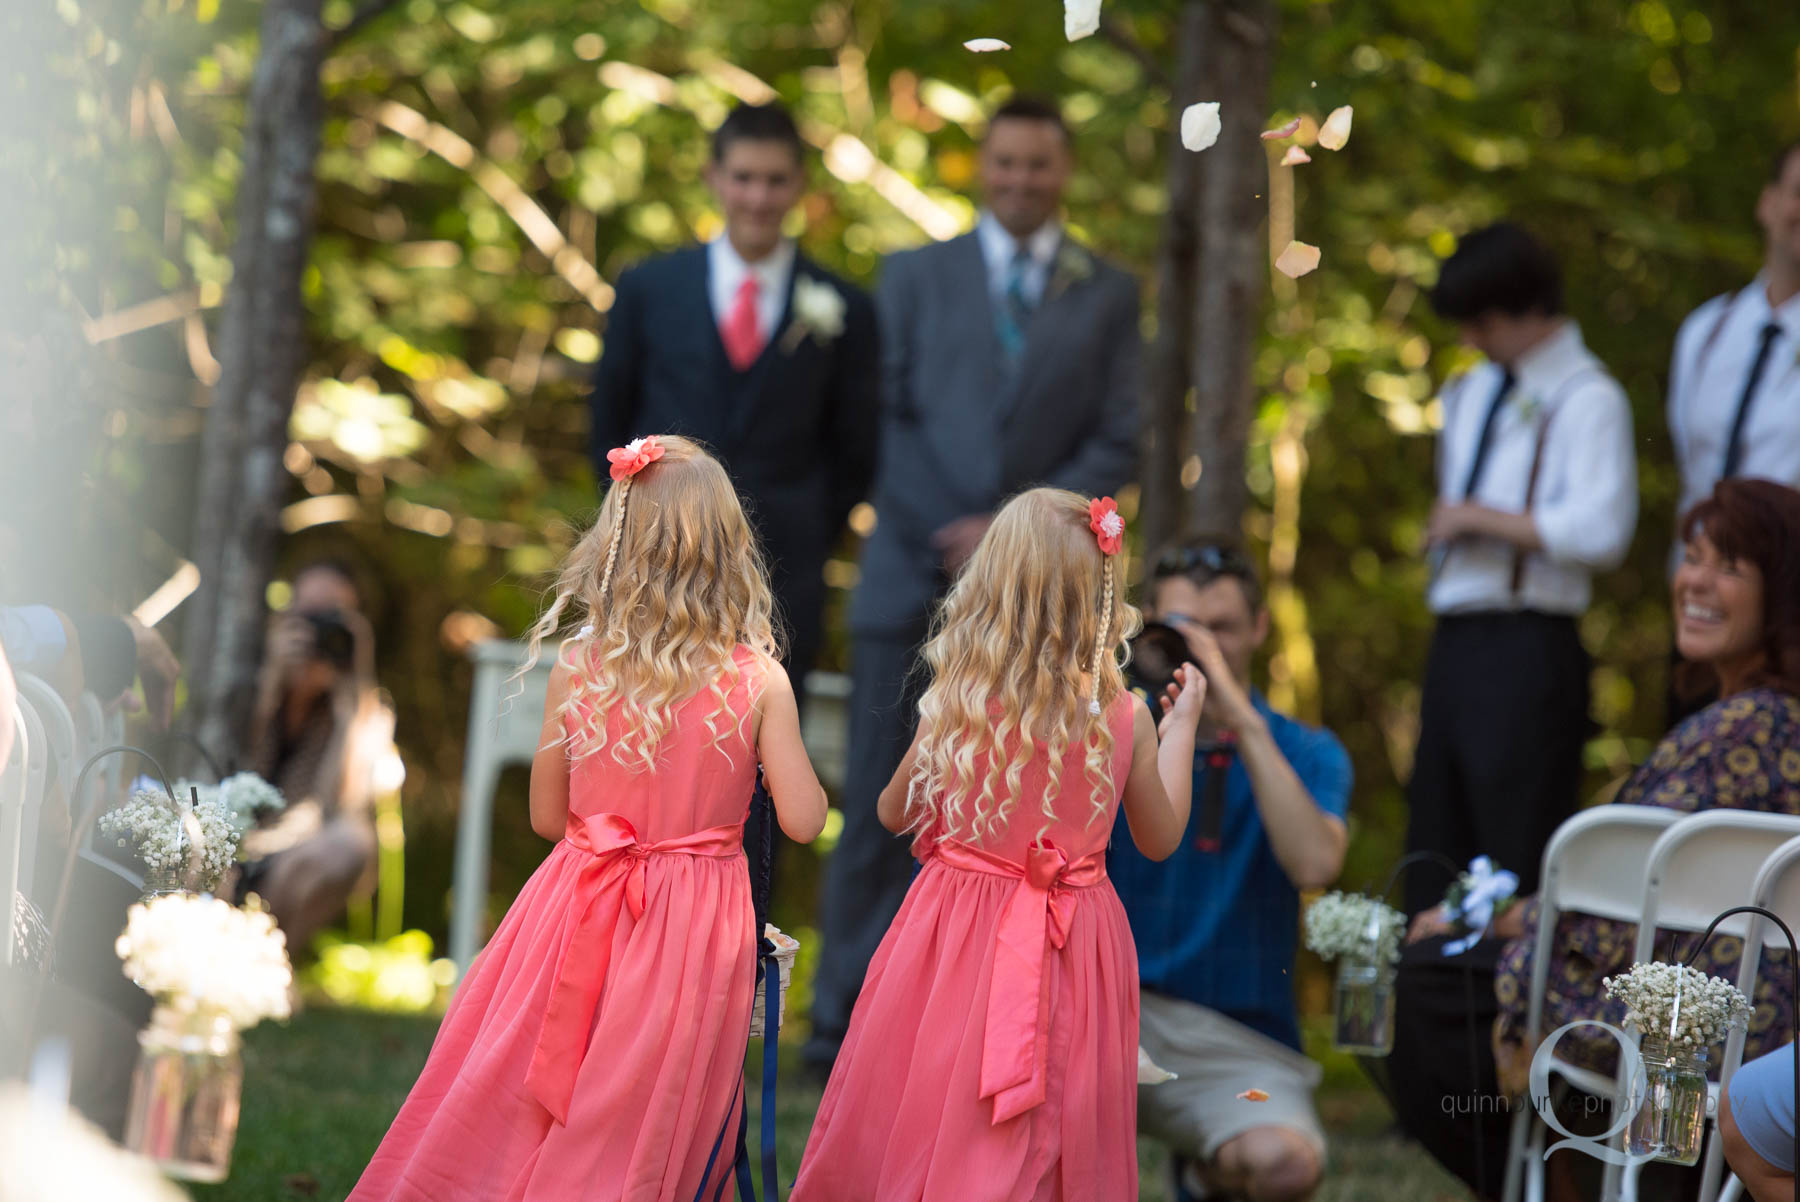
1220 928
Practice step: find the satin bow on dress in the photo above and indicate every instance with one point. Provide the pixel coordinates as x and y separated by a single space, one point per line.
1034 923
615 867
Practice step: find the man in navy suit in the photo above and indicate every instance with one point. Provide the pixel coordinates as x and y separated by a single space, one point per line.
761 354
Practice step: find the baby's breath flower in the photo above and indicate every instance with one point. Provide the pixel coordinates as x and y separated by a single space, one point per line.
1352 924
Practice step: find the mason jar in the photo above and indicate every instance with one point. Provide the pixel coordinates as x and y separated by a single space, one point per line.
1670 1121
185 1093
1363 1017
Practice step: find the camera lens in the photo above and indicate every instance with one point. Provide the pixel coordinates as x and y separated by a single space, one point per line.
333 641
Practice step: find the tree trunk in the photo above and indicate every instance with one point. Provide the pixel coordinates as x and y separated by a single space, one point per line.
1165 411
1235 43
262 351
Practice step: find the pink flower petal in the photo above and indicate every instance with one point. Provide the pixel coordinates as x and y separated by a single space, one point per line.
1298 259
1285 131
1295 155
1336 130
984 45
1254 1095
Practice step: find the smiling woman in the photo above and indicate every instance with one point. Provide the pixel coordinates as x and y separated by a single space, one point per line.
1737 609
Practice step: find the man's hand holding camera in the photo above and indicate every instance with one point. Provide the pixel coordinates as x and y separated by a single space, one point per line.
1228 703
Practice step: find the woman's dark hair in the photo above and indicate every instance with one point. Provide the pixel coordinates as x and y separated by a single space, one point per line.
1756 521
1498 269
758 123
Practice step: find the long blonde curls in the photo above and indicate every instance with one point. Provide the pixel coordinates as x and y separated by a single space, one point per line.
1036 609
668 581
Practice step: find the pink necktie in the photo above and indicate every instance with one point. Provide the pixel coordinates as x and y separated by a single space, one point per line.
741 332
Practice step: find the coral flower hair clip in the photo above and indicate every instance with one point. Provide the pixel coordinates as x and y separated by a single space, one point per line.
1107 525
632 458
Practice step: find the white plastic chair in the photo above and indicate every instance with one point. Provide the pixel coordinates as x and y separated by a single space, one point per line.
57 742
1703 865
1594 864
1777 888
15 786
503 733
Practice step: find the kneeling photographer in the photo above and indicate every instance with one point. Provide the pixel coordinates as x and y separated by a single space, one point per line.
320 728
1217 923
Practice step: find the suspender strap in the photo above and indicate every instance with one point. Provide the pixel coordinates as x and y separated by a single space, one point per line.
1537 464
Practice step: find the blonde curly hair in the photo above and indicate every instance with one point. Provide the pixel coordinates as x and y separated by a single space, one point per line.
667 582
1036 609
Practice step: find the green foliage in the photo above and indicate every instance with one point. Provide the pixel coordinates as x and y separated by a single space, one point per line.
444 423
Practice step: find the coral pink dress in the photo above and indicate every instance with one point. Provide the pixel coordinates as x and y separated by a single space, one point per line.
595 1049
992 1054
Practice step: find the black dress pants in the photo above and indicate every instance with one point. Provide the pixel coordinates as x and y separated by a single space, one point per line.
1503 720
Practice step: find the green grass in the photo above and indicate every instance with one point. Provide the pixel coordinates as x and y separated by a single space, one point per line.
320 1091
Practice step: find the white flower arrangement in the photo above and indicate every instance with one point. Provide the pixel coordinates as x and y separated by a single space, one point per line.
1353 924
248 796
818 310
160 832
204 955
1679 1004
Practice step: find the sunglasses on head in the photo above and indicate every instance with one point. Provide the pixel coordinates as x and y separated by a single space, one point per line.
1220 561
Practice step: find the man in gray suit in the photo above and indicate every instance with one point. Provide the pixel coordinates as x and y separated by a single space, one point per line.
1010 358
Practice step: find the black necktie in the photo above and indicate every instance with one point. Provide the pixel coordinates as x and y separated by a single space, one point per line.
1734 450
1487 433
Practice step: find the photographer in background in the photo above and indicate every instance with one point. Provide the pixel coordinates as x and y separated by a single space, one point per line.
320 727
1217 923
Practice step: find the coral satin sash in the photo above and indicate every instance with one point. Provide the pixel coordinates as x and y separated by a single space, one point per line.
1015 1043
616 857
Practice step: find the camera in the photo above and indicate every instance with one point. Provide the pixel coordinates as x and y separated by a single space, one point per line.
333 641
1156 652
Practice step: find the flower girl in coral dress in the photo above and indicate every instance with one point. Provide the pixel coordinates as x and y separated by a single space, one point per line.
992 1054
594 1051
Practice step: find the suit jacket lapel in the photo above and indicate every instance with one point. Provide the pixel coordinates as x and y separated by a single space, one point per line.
1059 306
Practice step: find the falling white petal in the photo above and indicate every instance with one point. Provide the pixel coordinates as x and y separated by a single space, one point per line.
1081 18
1336 130
1283 131
1150 1072
984 45
1200 125
1295 154
1298 259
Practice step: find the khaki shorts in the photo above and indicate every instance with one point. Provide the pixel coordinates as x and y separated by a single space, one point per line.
1215 1059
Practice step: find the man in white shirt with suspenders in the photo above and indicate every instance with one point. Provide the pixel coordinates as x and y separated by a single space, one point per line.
1734 384
1537 490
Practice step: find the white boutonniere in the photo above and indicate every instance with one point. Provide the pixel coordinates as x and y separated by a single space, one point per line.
818 311
1073 265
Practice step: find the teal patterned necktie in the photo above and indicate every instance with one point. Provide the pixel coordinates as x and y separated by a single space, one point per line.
1015 308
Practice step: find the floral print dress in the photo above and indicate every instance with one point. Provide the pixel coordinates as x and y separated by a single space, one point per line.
1739 753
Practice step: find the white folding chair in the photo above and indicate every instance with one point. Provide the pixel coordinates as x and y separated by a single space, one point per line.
1703 865
15 786
1777 888
1594 864
502 732
59 744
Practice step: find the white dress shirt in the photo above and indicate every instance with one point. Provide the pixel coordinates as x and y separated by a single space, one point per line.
1585 502
725 272
998 248
1713 354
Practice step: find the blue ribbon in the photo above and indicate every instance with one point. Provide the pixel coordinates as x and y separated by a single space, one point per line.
1486 887
771 983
